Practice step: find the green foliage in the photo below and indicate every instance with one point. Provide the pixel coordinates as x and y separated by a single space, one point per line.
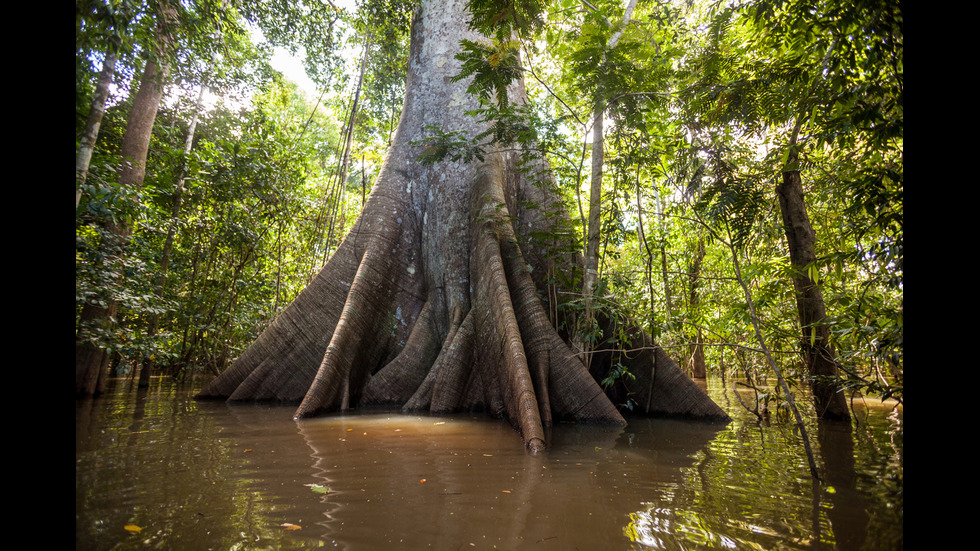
454 146
492 66
387 23
823 81
704 105
240 211
503 18
313 26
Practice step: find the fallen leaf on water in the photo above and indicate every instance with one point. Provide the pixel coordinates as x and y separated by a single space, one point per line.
133 528
318 488
289 526
248 450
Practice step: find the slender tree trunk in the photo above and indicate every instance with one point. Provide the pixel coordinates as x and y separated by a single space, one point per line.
756 325
90 359
665 273
139 126
591 273
431 303
818 354
168 244
645 248
697 363
92 124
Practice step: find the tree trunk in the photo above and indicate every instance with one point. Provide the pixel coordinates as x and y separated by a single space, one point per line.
696 363
93 122
90 360
821 362
164 267
645 248
590 275
429 305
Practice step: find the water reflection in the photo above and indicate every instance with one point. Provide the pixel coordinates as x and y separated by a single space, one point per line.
196 475
442 482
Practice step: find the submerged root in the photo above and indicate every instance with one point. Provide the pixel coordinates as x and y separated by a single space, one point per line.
353 349
369 330
535 364
500 350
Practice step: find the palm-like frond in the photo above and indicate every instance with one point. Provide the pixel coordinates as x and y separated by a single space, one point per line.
492 65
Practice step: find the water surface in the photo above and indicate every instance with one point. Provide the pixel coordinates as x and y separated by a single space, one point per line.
182 474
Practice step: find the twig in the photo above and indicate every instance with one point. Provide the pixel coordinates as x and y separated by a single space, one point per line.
772 362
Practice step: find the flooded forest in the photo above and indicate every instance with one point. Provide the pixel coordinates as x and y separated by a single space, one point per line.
491 274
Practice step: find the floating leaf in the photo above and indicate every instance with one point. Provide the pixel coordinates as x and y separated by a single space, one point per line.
133 528
289 526
318 488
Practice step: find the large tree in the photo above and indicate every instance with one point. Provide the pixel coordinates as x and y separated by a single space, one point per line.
433 301
91 360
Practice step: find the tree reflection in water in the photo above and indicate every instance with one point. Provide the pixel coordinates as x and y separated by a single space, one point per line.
197 475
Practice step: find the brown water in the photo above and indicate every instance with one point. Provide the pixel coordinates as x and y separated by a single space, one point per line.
206 475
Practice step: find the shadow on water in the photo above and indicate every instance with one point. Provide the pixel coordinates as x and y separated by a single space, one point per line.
199 475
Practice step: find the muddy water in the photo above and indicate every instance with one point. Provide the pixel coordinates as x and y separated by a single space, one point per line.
160 470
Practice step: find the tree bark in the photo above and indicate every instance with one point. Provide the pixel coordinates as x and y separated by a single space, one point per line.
696 363
818 354
645 249
590 275
431 303
90 359
93 122
168 244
